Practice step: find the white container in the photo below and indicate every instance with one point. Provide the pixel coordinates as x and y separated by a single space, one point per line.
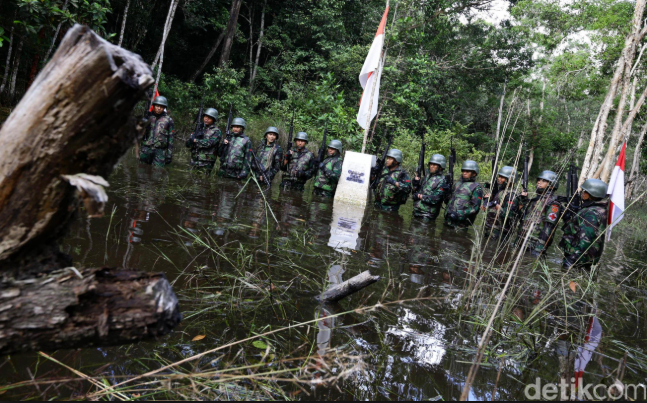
353 187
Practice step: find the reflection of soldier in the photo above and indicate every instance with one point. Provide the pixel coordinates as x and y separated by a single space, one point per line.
544 210
270 154
428 194
502 207
325 183
394 184
298 164
466 199
583 240
157 145
384 235
236 153
204 145
421 245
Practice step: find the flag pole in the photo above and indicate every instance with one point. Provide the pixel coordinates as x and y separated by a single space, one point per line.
370 104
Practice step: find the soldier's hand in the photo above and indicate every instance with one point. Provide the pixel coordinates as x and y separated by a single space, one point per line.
420 196
453 216
226 141
321 165
497 207
417 178
261 178
391 181
524 194
487 196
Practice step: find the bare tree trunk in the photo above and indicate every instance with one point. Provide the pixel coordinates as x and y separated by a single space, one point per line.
631 183
14 74
230 32
167 29
6 66
58 29
209 56
348 287
123 24
498 123
251 42
258 49
531 158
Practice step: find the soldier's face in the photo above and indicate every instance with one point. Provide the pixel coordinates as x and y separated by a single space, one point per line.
331 151
237 129
542 183
301 144
271 137
208 120
501 180
390 161
468 174
585 195
158 109
433 168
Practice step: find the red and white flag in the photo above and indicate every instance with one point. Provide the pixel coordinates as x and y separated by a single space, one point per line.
585 352
157 94
369 77
617 192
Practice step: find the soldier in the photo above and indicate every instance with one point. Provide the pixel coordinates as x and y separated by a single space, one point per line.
583 239
502 208
394 184
157 145
204 145
270 154
465 202
325 183
428 194
298 164
544 210
236 153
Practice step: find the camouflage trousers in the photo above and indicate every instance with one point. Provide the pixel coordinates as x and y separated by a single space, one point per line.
387 207
293 185
455 224
323 193
155 156
225 172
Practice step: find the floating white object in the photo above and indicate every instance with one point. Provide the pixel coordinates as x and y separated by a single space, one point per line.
355 179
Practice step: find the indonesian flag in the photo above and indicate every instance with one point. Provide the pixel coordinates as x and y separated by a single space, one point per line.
617 192
369 77
585 352
157 94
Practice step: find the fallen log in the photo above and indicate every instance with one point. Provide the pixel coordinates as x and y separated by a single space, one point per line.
71 127
348 287
71 308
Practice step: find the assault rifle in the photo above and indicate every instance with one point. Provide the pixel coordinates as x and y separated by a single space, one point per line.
323 149
420 173
262 171
288 156
573 203
380 163
198 133
526 166
222 147
452 162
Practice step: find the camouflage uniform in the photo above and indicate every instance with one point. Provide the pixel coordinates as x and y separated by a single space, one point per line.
501 223
389 197
464 204
582 242
325 183
298 170
237 157
205 150
433 189
157 145
270 155
545 211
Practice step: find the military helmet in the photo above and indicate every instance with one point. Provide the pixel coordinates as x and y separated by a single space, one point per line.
470 165
336 144
438 160
595 187
395 154
239 122
161 101
551 177
507 172
212 113
302 136
272 129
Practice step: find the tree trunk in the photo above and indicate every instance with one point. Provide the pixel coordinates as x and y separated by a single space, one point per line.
633 177
14 74
102 307
123 24
167 29
258 49
230 32
58 29
498 122
6 66
208 58
348 287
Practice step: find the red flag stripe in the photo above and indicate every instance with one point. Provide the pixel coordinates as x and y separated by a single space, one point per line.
380 29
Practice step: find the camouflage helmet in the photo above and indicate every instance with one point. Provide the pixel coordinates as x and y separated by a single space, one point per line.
161 101
302 136
395 154
551 177
470 165
438 160
212 113
239 122
336 144
507 172
272 129
596 188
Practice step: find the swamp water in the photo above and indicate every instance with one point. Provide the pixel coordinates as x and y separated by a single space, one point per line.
242 266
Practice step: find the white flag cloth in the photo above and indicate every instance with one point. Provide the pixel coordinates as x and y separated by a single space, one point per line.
585 352
369 77
617 192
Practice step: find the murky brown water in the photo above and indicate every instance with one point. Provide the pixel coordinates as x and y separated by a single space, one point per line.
416 351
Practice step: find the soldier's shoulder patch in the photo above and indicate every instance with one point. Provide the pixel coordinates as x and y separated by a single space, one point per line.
552 217
555 209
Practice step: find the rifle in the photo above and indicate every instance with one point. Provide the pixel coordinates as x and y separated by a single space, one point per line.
198 133
524 178
573 203
420 173
380 163
322 149
222 147
452 162
258 167
288 156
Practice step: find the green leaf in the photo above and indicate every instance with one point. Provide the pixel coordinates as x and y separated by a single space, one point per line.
260 344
